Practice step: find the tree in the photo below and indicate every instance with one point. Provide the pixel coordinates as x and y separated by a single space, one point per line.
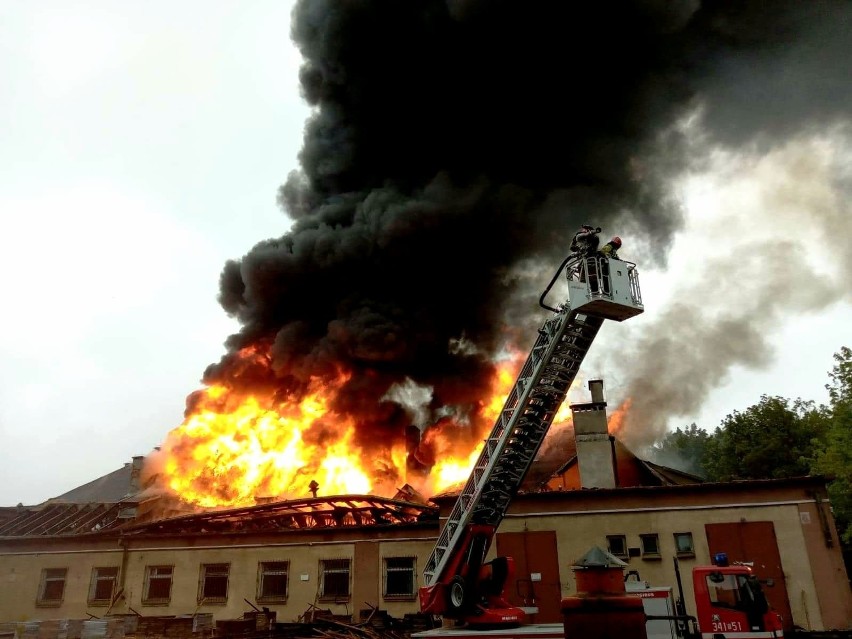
682 449
833 454
769 440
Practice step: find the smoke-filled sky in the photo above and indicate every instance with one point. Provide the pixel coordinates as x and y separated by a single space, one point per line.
181 181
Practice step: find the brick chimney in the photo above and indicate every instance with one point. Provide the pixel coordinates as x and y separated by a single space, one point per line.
595 447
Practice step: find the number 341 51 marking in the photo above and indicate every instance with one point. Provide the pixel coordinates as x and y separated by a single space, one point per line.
733 626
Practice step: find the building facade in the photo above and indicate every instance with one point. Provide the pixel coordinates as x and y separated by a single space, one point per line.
77 557
229 562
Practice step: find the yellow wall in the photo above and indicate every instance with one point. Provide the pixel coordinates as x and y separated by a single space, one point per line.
577 534
20 575
817 587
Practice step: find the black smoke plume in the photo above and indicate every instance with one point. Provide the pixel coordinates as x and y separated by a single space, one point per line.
455 147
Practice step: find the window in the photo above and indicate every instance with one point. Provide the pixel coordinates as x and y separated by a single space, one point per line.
272 581
399 578
158 585
213 583
723 590
103 586
334 579
650 545
617 545
52 586
683 544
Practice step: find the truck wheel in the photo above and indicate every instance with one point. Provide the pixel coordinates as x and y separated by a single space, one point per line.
457 594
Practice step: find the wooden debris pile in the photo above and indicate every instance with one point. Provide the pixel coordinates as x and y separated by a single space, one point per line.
374 623
315 623
324 628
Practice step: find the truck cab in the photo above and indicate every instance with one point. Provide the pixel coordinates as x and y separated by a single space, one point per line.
730 602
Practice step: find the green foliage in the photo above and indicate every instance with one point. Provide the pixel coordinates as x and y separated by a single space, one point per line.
777 438
682 449
833 453
769 440
840 389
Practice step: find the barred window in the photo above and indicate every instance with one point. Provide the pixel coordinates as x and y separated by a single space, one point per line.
334 579
399 577
51 589
272 581
103 585
213 583
158 585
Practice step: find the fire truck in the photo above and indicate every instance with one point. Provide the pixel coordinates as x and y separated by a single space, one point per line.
458 583
729 602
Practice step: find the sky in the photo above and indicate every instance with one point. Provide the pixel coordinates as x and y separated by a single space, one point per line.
144 147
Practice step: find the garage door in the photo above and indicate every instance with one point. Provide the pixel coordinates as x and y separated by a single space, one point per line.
754 542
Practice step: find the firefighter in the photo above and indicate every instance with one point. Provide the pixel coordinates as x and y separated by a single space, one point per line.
584 245
585 241
610 249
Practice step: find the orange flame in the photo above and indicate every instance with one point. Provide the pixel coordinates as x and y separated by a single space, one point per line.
228 456
234 448
617 418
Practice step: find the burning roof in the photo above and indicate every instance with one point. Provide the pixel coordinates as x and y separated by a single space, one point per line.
348 511
55 519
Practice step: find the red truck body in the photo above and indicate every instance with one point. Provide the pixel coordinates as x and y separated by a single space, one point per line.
729 601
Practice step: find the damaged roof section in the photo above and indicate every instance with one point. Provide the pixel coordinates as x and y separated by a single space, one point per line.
628 471
98 506
60 519
349 511
115 505
346 511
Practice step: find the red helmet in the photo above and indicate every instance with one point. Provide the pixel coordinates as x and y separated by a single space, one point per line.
616 241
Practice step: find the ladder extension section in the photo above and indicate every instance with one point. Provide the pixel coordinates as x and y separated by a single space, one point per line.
529 410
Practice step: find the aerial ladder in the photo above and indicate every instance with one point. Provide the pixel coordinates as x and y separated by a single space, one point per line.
458 583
